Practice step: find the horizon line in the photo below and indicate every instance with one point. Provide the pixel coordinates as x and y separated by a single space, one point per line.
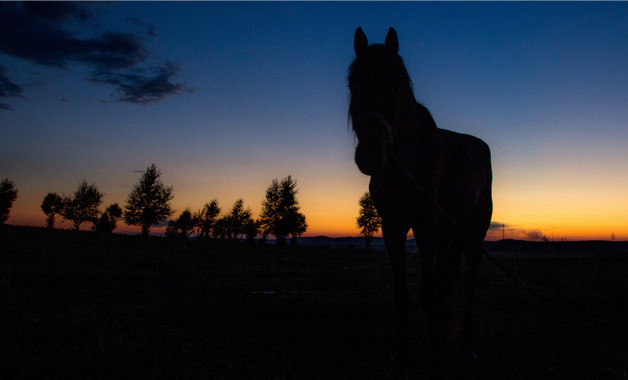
332 235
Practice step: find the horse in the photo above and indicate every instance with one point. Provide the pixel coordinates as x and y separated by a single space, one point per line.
431 180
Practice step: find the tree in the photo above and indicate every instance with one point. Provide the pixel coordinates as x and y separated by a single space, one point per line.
251 230
51 205
83 206
148 202
280 211
222 228
109 219
183 226
8 195
368 220
238 219
206 218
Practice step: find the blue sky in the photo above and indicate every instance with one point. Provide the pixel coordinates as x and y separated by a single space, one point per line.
255 91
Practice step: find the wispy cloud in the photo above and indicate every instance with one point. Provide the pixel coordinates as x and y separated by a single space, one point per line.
536 235
150 29
8 88
38 32
497 226
143 85
498 230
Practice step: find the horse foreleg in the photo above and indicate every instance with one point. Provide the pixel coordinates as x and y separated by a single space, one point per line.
437 282
395 240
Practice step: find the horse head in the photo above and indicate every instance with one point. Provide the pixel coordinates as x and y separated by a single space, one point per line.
378 82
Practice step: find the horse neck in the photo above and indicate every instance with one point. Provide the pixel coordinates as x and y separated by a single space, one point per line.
416 133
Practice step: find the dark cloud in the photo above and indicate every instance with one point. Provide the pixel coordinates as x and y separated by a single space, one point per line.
151 29
497 226
536 235
38 32
42 40
143 85
514 232
134 21
8 88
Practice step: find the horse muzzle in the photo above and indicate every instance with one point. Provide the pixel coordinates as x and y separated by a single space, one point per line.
374 141
370 161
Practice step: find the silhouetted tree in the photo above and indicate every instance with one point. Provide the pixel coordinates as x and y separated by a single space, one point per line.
171 229
206 218
148 202
186 223
183 226
238 219
368 220
8 195
223 228
109 219
83 206
251 230
280 211
51 205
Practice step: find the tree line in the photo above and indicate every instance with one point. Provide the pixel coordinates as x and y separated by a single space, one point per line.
148 203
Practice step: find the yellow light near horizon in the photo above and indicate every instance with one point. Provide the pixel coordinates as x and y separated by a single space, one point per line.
564 207
573 209
333 216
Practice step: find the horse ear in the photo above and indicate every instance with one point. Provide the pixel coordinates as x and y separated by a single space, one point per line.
392 44
360 43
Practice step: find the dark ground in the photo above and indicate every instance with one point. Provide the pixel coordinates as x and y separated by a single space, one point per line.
88 305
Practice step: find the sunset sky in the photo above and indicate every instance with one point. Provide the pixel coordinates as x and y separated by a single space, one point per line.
224 97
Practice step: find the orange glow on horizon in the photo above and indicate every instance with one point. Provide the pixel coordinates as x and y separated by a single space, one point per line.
586 212
338 230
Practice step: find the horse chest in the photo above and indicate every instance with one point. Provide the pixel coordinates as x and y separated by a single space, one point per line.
397 200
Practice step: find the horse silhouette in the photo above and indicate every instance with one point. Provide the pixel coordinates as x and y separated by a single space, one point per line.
433 181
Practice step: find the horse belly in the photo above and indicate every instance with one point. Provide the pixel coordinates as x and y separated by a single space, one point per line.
464 175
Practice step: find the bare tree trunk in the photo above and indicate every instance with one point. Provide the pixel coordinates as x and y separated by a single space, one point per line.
367 242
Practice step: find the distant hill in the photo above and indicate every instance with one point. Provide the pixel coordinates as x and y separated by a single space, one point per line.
349 242
589 248
502 248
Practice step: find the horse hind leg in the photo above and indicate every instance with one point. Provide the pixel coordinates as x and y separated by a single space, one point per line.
453 284
473 256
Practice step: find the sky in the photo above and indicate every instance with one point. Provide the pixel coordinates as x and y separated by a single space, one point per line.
225 97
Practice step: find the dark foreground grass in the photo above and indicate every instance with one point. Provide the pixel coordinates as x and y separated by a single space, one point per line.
100 306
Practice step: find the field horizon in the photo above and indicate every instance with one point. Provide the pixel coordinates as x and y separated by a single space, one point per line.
358 242
107 305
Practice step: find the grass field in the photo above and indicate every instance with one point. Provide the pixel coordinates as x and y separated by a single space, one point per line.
88 305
